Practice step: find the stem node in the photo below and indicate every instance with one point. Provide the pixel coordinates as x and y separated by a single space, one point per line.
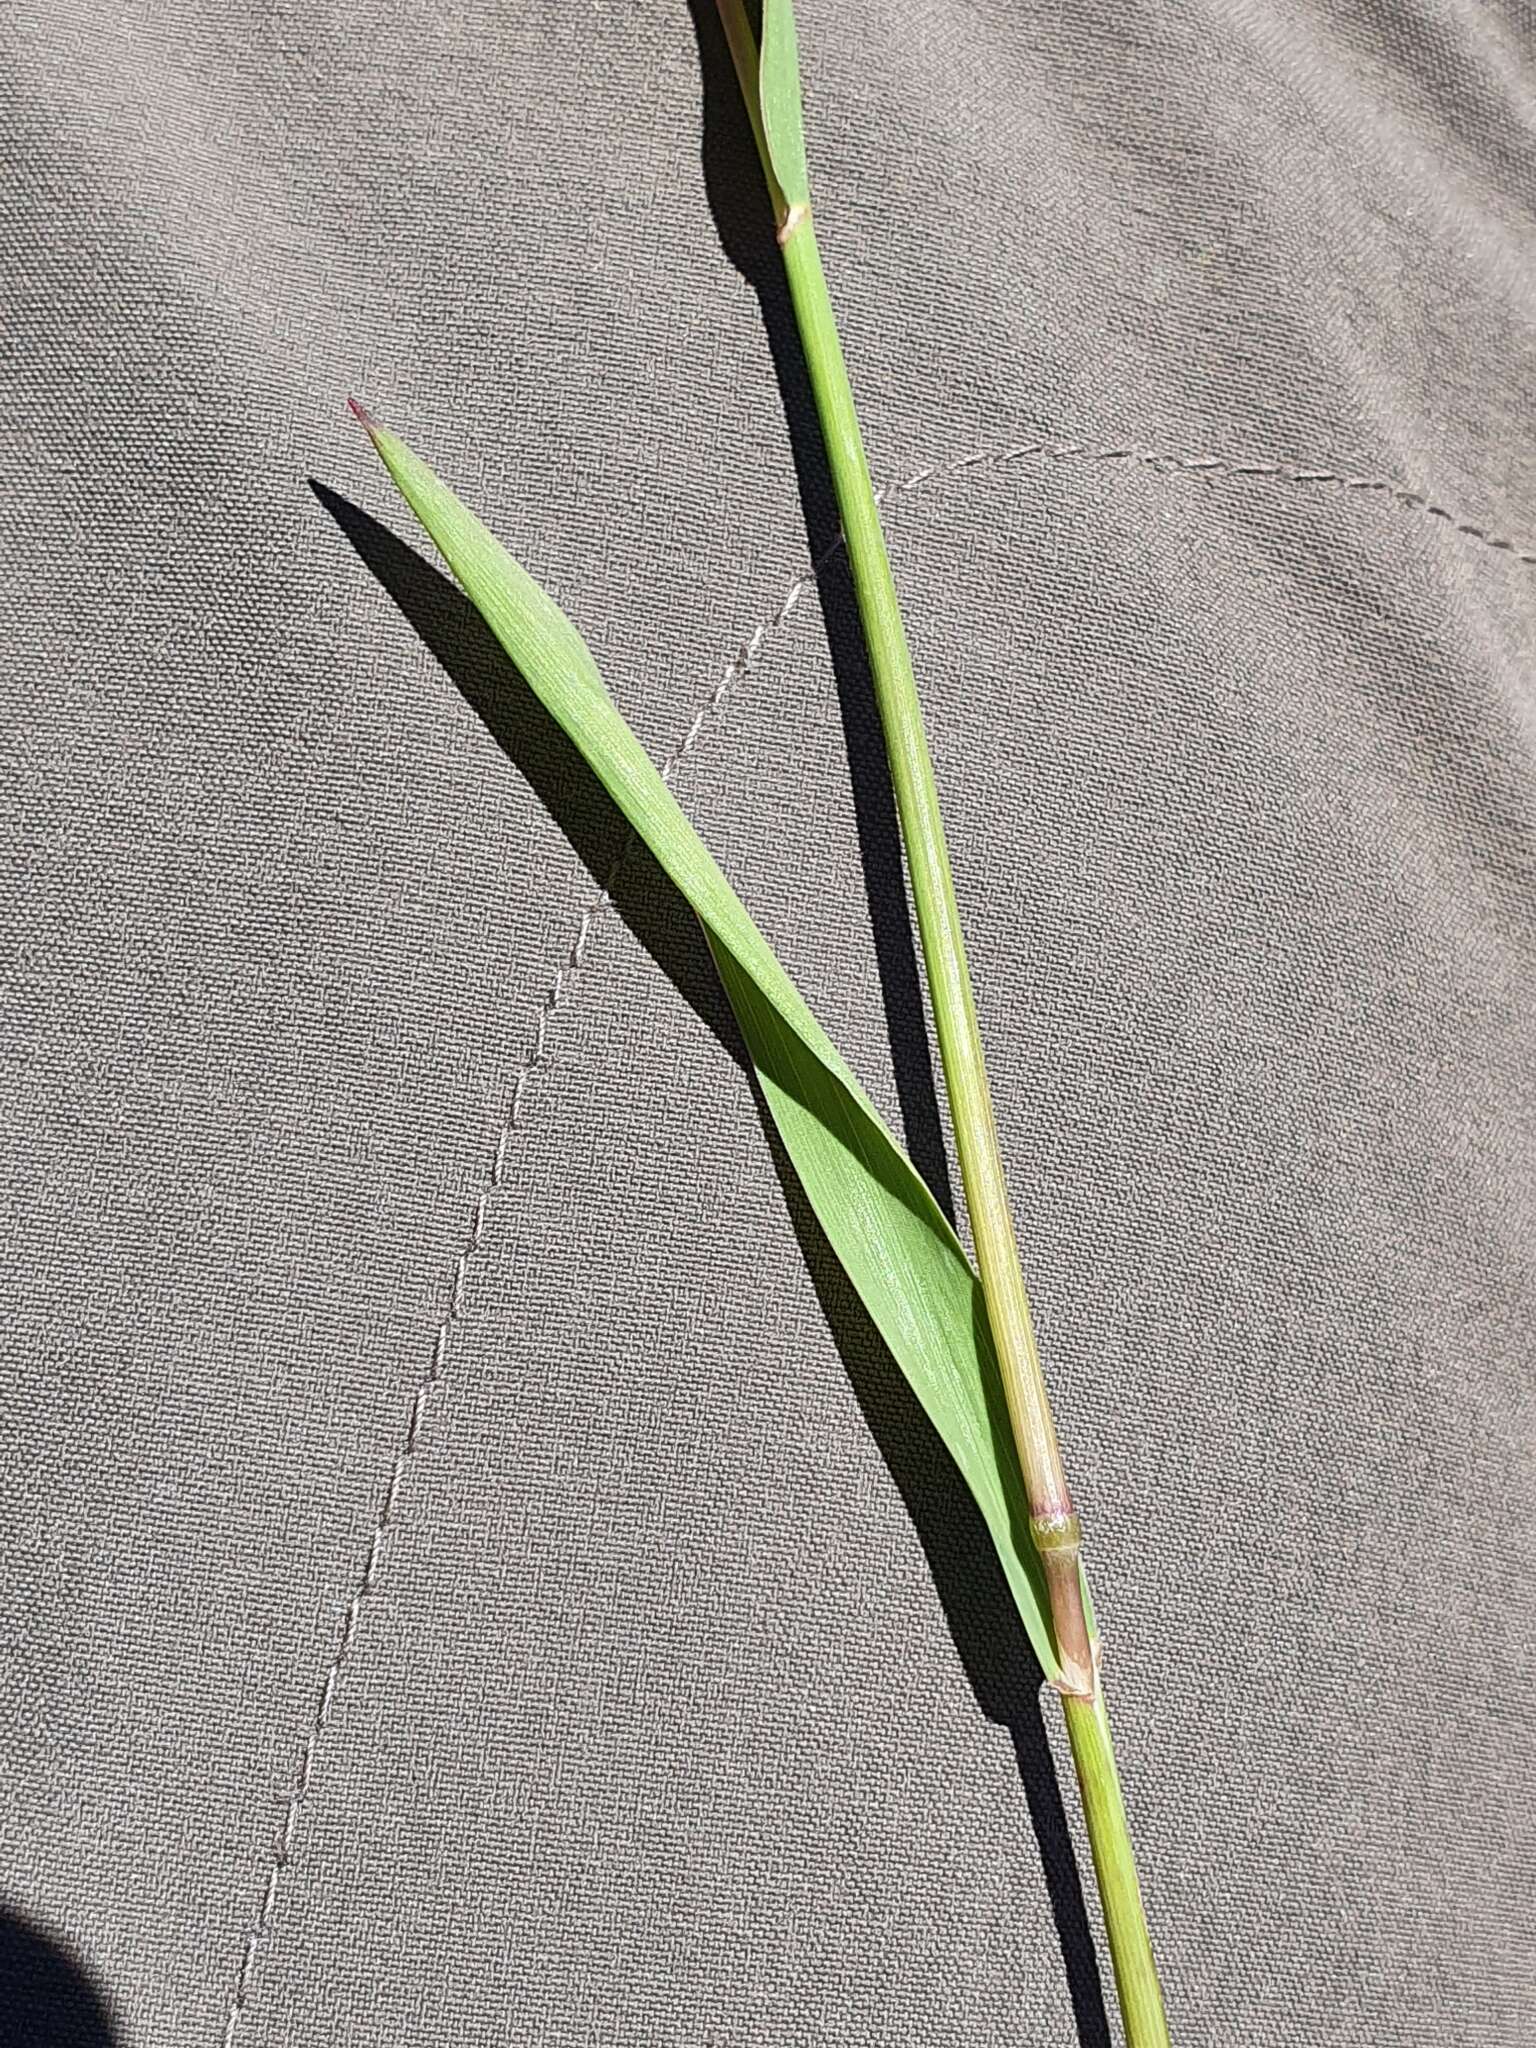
793 218
1058 1538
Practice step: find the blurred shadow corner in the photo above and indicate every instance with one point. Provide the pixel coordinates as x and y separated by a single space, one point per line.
47 1998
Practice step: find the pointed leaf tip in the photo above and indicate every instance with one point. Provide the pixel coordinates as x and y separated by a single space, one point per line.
361 414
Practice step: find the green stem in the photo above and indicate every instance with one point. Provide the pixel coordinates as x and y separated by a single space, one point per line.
1053 1523
1125 1920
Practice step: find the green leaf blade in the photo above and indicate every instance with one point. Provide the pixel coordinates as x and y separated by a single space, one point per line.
897 1247
778 91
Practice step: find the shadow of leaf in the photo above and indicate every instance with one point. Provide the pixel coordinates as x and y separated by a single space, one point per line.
981 1617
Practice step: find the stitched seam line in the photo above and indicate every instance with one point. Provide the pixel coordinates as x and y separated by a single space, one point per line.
535 1056
1161 461
557 996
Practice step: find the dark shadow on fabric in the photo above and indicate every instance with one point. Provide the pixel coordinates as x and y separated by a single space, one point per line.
734 182
47 1999
982 1619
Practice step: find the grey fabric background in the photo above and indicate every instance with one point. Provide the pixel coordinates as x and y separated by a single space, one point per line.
467 1575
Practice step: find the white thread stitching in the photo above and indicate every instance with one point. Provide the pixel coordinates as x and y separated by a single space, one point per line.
557 996
536 1056
1060 450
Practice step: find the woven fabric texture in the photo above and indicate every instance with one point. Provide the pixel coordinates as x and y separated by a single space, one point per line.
468 1573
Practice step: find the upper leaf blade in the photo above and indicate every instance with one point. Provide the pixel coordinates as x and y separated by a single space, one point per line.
778 92
894 1242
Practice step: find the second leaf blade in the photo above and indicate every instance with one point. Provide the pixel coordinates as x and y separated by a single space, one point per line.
895 1243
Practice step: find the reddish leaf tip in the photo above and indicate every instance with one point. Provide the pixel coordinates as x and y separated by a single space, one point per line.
361 413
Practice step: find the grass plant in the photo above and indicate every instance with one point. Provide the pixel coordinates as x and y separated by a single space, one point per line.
963 1335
